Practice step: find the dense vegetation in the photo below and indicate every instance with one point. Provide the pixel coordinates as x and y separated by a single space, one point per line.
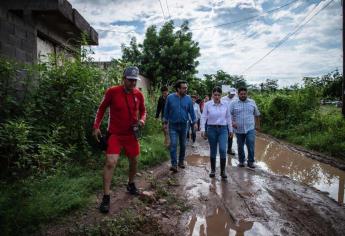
49 162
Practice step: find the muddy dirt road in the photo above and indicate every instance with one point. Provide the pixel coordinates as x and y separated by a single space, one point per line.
287 194
279 197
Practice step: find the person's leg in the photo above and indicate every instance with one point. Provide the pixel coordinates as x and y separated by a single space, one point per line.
240 145
188 128
193 134
213 141
132 151
173 145
110 164
250 142
223 139
133 164
182 140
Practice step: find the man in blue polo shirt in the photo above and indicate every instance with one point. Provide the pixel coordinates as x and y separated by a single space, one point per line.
177 110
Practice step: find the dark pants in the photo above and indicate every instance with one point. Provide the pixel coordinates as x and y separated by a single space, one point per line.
229 144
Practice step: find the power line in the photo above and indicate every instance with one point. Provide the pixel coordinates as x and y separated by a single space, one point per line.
287 37
166 1
160 3
247 18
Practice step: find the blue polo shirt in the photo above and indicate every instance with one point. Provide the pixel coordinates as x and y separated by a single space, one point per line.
177 109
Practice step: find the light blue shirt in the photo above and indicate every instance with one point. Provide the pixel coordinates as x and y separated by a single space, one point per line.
216 114
243 113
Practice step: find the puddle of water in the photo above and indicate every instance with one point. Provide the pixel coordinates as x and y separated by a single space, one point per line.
278 159
197 160
218 222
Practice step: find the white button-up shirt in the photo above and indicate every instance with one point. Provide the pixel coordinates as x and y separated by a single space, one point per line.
216 114
243 113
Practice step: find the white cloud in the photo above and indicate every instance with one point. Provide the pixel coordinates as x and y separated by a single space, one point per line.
314 50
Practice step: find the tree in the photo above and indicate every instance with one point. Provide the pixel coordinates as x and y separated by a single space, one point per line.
165 56
270 85
329 85
223 78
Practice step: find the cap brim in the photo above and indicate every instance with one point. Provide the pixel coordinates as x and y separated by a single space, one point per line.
133 77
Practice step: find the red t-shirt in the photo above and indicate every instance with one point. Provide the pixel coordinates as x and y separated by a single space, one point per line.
117 99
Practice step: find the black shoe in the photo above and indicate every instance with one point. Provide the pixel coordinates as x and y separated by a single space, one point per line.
105 204
213 168
132 189
173 169
222 168
241 164
251 165
181 165
230 152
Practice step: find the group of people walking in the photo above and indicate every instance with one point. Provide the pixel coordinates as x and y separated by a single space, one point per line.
218 119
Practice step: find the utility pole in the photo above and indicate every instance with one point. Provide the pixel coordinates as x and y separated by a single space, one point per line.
343 92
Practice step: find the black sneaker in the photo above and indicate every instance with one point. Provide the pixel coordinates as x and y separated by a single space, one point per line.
240 164
173 169
251 165
181 165
105 204
132 189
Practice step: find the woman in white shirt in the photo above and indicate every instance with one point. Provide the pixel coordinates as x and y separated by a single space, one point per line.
217 115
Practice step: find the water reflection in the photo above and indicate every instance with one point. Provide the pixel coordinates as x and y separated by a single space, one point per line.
278 159
217 222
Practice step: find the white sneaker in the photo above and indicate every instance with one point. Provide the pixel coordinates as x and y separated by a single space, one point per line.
194 145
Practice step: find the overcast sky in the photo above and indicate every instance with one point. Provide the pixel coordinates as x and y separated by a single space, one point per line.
233 47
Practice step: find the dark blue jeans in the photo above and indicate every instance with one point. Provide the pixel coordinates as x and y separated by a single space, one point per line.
177 131
249 140
217 135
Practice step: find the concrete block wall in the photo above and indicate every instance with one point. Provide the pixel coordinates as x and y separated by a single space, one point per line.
17 38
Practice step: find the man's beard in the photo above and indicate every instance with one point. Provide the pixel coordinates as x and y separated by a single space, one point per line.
243 99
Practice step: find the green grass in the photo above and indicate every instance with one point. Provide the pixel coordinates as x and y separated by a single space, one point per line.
324 132
27 204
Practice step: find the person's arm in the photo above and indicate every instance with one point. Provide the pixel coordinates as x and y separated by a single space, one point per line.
257 123
229 119
191 111
159 107
100 114
232 113
257 117
142 110
166 112
199 113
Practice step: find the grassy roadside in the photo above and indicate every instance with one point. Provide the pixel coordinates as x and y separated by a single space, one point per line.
27 204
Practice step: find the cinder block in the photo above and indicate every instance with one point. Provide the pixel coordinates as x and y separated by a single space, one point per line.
20 55
20 31
7 50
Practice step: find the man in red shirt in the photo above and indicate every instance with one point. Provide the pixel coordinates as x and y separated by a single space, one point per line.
127 112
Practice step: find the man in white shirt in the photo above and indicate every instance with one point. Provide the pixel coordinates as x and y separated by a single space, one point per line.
229 99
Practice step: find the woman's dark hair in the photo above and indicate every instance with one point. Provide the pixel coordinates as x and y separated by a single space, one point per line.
164 88
178 84
242 89
217 89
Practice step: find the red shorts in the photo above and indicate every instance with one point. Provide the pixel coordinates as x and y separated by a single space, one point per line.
129 143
